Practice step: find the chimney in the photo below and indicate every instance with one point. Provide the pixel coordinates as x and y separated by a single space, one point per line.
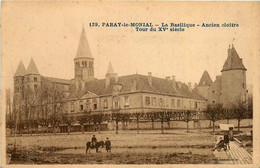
195 85
107 80
241 60
189 85
133 86
150 78
173 82
179 84
168 78
116 77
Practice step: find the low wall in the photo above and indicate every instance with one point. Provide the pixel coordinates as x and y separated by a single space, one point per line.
179 124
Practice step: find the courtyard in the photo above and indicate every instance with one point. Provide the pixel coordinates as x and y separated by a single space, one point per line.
148 147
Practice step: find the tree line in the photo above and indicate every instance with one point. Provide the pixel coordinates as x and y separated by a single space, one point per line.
46 107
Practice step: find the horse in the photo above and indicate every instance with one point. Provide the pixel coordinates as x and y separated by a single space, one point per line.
96 145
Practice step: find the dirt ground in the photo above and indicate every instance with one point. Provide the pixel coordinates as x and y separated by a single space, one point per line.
128 147
112 158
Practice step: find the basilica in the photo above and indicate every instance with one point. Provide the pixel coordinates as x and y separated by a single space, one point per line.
135 92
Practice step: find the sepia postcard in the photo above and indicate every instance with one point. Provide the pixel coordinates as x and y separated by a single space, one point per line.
111 84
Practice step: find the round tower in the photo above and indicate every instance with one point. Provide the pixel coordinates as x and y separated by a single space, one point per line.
233 79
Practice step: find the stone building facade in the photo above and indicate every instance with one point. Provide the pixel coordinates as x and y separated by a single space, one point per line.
134 93
228 87
129 94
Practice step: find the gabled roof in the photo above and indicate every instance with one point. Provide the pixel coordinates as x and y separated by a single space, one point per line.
233 61
205 79
58 80
110 68
32 69
83 48
217 84
159 86
21 71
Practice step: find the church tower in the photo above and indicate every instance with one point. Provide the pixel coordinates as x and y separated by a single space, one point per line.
19 79
32 77
233 79
84 62
111 77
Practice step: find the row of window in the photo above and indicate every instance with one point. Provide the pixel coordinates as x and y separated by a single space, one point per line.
165 102
153 101
88 104
93 105
84 64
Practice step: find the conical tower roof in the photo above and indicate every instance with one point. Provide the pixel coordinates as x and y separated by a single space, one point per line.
205 80
21 71
233 61
83 48
32 69
110 68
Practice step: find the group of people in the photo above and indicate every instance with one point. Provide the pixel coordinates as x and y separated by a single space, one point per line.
223 143
107 143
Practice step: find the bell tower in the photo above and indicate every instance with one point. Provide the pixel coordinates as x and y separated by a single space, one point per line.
19 79
32 77
84 62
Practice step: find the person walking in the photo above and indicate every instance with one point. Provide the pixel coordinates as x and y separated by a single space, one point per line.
108 145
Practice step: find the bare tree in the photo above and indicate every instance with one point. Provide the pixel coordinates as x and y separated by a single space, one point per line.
56 99
240 110
187 116
250 106
162 117
83 119
68 120
116 116
227 114
214 113
137 117
152 117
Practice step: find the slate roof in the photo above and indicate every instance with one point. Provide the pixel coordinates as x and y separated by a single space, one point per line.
159 86
233 61
32 69
58 80
21 71
205 79
83 48
217 84
110 68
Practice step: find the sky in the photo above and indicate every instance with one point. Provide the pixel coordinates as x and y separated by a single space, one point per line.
49 33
